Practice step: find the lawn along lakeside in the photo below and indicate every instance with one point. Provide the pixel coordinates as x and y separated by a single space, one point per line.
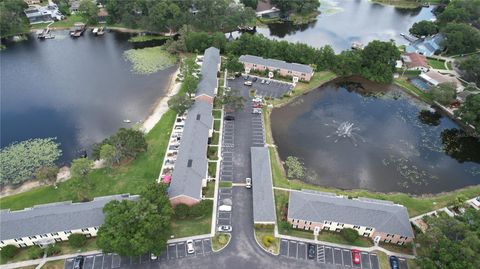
416 205
406 3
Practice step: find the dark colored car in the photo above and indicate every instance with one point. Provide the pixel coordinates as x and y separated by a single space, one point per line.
229 118
394 264
78 262
312 251
246 77
255 79
237 75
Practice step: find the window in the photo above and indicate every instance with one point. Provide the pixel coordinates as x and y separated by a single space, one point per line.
368 229
303 74
68 232
1 242
189 163
337 230
366 234
289 71
85 230
356 227
325 222
305 222
254 65
340 224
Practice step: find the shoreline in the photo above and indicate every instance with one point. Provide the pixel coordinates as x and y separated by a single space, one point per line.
160 107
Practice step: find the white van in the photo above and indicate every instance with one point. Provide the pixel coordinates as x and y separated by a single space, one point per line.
248 183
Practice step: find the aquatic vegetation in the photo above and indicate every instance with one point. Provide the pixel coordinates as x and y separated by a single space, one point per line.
145 38
149 60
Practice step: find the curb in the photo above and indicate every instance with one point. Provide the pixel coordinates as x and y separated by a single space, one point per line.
228 242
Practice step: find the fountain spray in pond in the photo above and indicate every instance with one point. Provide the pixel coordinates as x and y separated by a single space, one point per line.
346 129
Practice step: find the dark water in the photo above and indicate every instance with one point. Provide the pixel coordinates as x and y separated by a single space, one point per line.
342 22
398 146
78 90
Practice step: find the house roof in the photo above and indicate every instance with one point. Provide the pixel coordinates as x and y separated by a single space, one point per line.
208 83
435 78
414 59
383 216
263 204
426 46
55 217
192 164
273 63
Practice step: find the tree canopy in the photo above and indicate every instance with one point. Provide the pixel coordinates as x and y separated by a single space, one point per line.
81 167
444 93
12 18
133 228
295 169
461 38
180 103
233 65
378 61
471 68
19 161
128 143
88 10
469 112
461 11
233 100
297 6
423 28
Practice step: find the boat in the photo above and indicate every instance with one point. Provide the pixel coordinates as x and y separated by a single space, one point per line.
127 121
95 30
43 34
101 31
78 29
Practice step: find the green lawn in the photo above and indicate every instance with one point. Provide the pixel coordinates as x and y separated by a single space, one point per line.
128 178
212 169
67 23
436 64
335 237
193 226
406 249
225 184
212 153
215 138
407 86
217 114
449 65
383 260
216 125
54 264
209 191
267 230
220 240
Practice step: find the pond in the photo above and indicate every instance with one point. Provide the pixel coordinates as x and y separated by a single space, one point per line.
356 134
78 90
343 22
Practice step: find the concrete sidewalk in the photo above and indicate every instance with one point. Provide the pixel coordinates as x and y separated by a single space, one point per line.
48 259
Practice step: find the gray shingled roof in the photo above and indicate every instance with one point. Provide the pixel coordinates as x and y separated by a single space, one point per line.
263 205
56 217
276 63
193 146
384 216
208 83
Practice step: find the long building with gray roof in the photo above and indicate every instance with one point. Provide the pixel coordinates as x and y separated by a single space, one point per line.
191 167
263 203
301 71
53 222
378 219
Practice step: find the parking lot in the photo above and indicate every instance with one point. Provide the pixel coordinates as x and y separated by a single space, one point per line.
328 255
273 90
258 138
224 198
173 252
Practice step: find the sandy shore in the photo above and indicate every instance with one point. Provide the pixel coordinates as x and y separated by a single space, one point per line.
162 106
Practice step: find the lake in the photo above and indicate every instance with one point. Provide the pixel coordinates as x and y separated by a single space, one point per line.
78 90
357 134
343 22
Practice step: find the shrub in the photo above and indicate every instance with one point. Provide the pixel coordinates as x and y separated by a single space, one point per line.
200 209
182 211
349 234
223 239
268 240
9 251
53 250
285 226
77 240
35 252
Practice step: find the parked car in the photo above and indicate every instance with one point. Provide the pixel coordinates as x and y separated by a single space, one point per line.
247 83
229 118
226 208
153 257
263 81
254 79
248 183
237 75
394 263
225 228
312 251
246 77
190 248
257 111
257 100
268 82
257 105
78 262
356 256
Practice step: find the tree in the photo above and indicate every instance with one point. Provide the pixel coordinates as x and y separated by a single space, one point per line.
21 160
461 38
233 100
378 61
444 93
233 65
47 174
8 252
460 11
128 143
53 249
250 3
295 169
35 252
180 103
182 211
89 11
349 234
471 67
109 154
189 84
469 112
77 240
201 209
459 201
81 167
12 18
165 16
423 28
298 6
136 227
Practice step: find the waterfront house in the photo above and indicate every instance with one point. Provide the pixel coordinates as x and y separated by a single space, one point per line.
426 46
32 2
300 71
190 172
434 78
102 15
38 15
376 219
262 191
415 61
266 10
74 5
44 224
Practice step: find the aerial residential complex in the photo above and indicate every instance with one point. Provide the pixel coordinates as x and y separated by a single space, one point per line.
310 210
43 224
191 167
300 71
263 203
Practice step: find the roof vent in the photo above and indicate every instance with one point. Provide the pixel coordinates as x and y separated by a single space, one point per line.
189 163
198 116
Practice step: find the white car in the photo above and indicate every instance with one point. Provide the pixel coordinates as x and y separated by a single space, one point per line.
247 83
153 257
190 247
257 111
263 81
226 208
225 228
248 183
